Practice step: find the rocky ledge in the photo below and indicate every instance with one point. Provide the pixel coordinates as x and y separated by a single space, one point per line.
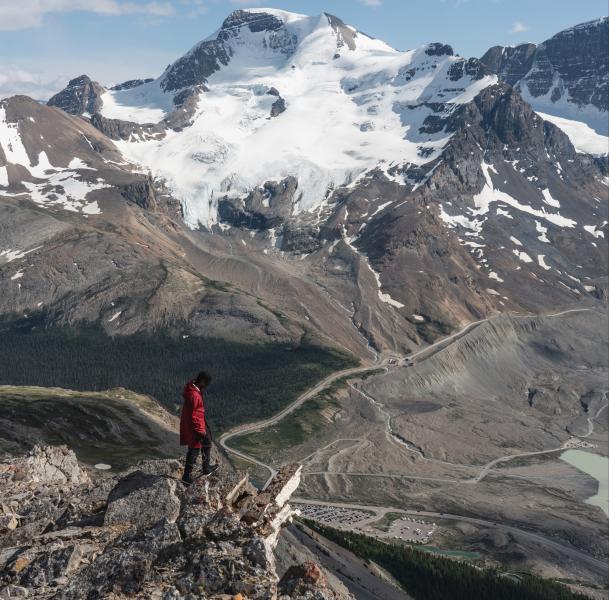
69 534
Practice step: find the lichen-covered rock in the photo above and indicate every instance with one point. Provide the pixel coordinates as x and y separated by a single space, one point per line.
142 533
8 521
54 465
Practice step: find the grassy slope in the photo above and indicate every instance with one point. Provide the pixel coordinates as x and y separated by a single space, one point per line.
117 427
300 425
306 421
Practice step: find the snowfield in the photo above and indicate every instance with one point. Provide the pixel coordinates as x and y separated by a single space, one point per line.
56 187
348 110
146 103
582 136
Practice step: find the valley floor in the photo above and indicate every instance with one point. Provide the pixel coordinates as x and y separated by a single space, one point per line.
465 436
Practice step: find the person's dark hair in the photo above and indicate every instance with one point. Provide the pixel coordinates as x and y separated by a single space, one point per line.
203 377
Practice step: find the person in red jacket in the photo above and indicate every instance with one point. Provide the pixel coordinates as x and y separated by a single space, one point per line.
194 431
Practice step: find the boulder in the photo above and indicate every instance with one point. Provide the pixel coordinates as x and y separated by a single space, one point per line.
141 499
54 465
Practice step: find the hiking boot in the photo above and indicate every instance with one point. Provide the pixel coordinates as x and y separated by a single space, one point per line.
209 469
187 476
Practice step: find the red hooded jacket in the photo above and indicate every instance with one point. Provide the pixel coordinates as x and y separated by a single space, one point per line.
192 419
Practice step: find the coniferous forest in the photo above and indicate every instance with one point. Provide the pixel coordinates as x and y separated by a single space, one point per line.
250 381
428 577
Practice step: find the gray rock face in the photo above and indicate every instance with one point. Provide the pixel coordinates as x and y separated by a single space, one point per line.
142 500
129 85
141 193
578 56
207 57
195 68
572 63
117 129
511 63
263 208
471 67
256 22
82 95
54 465
439 49
345 36
278 107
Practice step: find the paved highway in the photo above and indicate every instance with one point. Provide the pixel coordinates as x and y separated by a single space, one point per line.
386 363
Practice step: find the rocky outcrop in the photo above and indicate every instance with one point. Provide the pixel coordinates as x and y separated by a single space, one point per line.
143 533
117 129
345 35
278 107
577 56
263 208
82 95
141 193
210 55
511 63
142 499
305 581
53 465
129 85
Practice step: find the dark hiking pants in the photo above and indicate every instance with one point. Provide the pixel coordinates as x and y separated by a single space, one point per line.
193 453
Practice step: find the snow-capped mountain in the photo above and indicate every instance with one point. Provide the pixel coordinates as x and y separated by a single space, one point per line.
565 79
282 95
376 197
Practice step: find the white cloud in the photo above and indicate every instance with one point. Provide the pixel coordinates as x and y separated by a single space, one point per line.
371 2
42 76
14 80
519 27
26 14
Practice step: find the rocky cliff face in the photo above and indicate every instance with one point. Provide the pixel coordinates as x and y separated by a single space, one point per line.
565 75
82 95
66 534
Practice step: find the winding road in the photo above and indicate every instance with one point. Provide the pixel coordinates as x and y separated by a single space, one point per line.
386 363
310 393
326 382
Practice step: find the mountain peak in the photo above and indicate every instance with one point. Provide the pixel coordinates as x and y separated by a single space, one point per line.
259 35
255 20
261 17
82 95
566 75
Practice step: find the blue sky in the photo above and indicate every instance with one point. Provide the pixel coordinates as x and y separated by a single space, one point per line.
43 43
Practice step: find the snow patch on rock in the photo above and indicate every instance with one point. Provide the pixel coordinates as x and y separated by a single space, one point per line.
582 136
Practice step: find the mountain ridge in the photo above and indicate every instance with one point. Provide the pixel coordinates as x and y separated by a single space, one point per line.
564 76
425 195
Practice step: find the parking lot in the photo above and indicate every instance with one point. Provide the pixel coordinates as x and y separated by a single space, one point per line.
405 529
